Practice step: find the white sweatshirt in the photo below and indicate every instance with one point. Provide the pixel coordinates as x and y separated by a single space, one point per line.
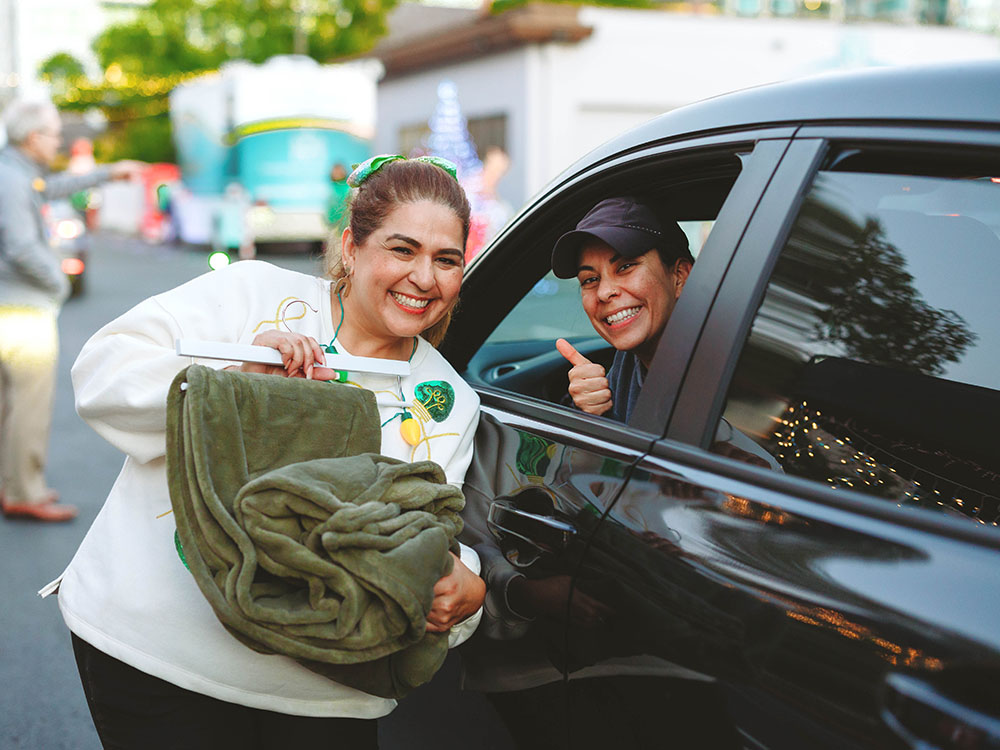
126 591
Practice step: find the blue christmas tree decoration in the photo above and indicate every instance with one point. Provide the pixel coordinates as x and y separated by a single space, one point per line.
449 135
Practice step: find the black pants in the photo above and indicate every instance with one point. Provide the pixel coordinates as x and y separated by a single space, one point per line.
135 711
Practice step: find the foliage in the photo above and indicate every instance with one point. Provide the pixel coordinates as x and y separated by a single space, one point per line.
863 298
182 36
875 311
499 6
172 40
148 138
61 65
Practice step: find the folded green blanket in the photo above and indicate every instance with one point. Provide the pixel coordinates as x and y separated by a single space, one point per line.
303 539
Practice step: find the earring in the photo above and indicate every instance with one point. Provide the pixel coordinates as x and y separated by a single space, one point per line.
343 286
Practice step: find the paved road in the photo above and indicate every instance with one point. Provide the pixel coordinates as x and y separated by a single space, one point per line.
41 703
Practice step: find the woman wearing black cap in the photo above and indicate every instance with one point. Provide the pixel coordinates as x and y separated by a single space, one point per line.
632 268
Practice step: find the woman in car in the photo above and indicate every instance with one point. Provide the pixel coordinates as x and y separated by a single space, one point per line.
632 267
158 668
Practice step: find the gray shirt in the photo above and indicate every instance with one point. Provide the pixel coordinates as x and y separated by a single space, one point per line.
30 272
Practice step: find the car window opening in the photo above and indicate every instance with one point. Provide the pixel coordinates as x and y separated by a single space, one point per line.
519 355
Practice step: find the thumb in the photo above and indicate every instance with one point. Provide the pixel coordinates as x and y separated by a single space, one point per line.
570 353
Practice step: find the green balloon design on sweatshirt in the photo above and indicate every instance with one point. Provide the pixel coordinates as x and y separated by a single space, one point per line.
437 396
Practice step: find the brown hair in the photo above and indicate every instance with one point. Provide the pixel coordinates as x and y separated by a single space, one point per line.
396 183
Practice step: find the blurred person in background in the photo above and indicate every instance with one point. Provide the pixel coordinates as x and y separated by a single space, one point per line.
339 192
231 230
490 212
32 289
81 161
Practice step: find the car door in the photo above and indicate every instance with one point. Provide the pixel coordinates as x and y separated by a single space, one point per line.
595 633
853 338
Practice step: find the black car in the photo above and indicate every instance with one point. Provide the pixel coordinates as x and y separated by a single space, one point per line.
843 313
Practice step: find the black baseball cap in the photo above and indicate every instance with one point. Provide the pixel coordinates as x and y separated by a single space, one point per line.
628 226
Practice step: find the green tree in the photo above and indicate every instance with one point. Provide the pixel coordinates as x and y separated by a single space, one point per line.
182 36
863 298
499 6
169 40
874 310
61 65
61 70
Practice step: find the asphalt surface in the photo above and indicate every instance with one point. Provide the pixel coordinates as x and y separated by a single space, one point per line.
42 706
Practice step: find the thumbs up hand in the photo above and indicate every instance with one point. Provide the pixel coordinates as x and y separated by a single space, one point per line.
588 386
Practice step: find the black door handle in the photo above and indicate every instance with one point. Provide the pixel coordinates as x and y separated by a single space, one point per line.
925 718
525 536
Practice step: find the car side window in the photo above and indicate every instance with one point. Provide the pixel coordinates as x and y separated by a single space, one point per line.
873 362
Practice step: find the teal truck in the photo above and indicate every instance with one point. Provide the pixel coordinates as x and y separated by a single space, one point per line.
256 145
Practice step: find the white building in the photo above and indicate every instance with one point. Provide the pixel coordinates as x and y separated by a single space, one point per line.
550 82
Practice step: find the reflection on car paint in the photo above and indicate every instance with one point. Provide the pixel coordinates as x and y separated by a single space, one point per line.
629 612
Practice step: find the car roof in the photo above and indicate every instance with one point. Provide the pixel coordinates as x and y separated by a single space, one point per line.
967 93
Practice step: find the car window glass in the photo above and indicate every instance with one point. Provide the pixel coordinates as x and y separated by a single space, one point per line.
549 311
873 362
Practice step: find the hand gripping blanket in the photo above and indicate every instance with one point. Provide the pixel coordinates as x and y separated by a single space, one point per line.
303 539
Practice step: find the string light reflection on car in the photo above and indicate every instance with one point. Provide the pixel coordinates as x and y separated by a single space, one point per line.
802 433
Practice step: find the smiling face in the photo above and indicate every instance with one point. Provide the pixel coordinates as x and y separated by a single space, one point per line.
405 277
629 300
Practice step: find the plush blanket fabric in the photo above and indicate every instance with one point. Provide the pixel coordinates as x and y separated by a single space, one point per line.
304 540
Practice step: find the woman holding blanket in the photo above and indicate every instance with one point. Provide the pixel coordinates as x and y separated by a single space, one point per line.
158 668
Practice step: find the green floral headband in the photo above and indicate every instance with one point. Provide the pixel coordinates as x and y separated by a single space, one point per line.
367 168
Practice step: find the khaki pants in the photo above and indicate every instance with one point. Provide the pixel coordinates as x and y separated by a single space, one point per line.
29 348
